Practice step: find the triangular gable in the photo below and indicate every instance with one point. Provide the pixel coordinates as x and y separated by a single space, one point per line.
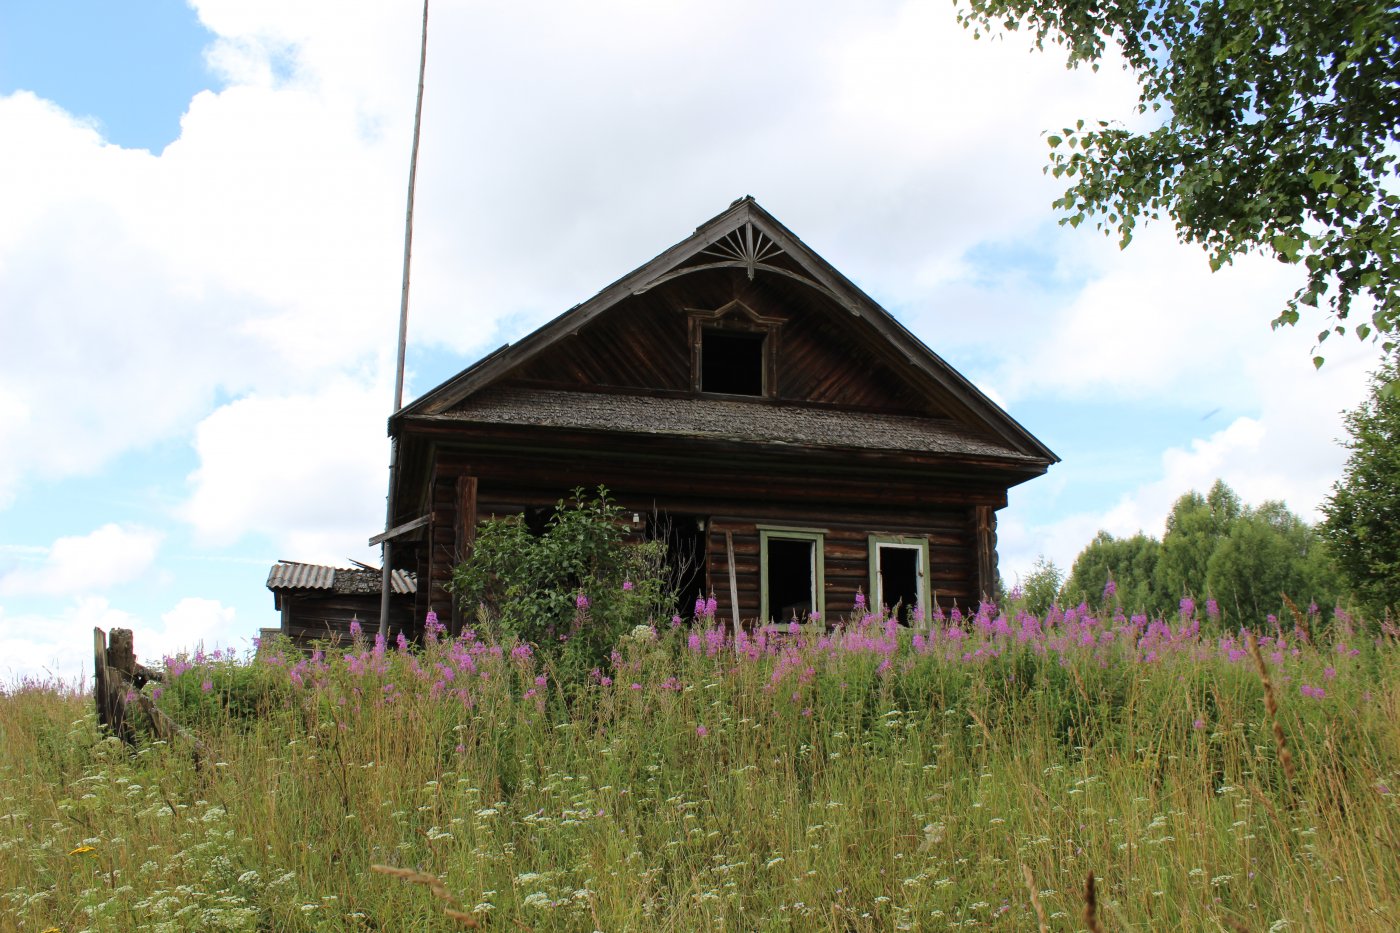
744 237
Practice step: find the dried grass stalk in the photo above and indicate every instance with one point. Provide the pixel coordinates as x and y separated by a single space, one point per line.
1091 906
1035 898
1285 757
453 910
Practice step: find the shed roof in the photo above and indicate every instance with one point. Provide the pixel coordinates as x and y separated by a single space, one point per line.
288 575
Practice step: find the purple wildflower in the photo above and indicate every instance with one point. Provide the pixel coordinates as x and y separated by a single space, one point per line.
581 600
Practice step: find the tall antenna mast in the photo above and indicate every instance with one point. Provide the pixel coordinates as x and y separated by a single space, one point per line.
387 578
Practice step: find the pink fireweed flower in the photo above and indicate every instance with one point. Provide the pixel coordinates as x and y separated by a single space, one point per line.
1212 609
1198 725
541 680
402 641
581 600
711 606
207 685
521 652
860 600
355 630
1330 673
1188 607
701 731
1109 589
1307 690
626 586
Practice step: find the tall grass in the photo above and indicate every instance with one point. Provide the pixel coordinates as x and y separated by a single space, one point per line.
870 779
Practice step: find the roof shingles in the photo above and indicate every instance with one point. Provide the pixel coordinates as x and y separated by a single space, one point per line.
723 419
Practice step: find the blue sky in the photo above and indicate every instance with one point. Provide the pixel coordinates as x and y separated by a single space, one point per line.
199 267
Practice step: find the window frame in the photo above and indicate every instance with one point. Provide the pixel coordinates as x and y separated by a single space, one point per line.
736 318
814 536
917 543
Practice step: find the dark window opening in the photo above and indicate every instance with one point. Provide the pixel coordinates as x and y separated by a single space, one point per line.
731 363
537 519
685 555
899 581
789 582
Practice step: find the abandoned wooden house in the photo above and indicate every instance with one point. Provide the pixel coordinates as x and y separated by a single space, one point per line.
794 440
318 602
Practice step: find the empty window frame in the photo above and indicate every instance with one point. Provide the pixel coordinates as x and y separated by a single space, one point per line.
791 571
899 576
733 362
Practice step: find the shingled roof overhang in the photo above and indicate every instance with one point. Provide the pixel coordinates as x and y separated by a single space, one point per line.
744 221
728 420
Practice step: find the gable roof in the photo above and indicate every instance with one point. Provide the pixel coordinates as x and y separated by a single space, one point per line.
744 236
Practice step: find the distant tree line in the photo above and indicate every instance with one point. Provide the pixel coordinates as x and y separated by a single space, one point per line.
1214 547
1248 559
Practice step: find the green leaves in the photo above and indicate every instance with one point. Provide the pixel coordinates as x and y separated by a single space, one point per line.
1278 119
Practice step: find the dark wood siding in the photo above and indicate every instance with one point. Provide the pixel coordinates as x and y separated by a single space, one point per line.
643 344
315 616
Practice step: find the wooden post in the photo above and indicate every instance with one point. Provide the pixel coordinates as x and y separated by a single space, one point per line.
100 679
985 524
464 536
733 581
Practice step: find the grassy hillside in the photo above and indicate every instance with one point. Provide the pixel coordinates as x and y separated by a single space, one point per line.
867 780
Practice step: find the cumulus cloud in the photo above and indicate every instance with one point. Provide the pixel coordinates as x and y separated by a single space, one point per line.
307 471
112 555
56 644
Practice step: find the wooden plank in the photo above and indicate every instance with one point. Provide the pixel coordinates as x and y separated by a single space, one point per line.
733 580
403 529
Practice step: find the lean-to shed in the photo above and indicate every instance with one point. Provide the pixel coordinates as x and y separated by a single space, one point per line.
792 441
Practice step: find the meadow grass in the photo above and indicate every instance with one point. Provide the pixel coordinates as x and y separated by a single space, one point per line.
869 779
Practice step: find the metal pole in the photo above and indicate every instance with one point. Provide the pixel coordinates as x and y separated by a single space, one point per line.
386 579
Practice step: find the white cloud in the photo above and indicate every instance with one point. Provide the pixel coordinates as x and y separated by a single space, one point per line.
57 644
307 471
110 556
192 624
1288 451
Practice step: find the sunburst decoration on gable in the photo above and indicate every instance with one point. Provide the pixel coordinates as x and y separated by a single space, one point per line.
746 246
750 249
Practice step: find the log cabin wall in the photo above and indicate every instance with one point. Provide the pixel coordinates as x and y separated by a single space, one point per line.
953 528
320 616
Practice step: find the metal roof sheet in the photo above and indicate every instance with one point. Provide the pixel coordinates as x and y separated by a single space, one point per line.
289 575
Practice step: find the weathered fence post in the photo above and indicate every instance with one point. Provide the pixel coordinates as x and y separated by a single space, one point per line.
117 676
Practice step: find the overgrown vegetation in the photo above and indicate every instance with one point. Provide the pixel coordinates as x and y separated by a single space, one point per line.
570 590
870 779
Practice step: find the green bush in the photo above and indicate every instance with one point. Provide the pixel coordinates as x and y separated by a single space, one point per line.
570 591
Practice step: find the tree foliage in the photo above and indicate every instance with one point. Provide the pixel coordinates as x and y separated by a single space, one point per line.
1041 588
1278 134
1362 522
1130 562
1214 547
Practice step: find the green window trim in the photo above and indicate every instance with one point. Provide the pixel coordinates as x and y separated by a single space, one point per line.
817 537
911 542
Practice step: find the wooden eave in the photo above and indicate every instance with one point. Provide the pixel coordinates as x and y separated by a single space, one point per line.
818 274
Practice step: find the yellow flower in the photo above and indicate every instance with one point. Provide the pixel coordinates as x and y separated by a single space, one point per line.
51 930
82 850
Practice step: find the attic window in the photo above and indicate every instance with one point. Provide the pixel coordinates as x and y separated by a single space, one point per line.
731 362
